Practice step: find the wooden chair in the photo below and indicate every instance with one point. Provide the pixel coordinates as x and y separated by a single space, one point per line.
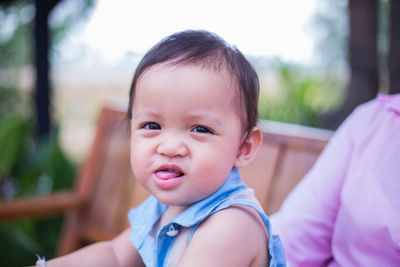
104 192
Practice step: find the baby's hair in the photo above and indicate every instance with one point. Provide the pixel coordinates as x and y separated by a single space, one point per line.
208 49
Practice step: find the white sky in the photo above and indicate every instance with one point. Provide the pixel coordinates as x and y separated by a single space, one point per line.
256 27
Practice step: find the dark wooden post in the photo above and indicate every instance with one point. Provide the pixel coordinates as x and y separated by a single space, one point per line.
362 57
394 47
42 63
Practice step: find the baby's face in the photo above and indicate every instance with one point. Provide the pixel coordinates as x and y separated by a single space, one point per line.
186 132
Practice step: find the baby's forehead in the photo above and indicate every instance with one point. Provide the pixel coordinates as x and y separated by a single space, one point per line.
216 69
208 71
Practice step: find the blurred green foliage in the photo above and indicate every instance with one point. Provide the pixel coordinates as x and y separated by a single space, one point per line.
25 238
300 96
33 168
15 38
29 166
330 28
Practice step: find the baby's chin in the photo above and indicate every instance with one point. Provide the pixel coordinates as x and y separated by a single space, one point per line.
179 199
175 203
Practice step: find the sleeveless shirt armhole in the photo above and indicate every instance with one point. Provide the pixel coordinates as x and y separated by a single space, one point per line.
275 248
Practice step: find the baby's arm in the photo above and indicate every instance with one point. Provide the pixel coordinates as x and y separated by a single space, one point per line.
117 252
231 237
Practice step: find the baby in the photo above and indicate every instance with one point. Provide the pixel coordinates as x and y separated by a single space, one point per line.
192 114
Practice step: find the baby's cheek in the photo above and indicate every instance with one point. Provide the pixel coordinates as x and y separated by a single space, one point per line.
138 161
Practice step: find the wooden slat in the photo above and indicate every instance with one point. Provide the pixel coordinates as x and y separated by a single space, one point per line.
259 174
39 206
296 134
86 184
294 163
109 193
88 178
300 146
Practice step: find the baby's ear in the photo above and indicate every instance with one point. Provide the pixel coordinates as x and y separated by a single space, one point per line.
249 148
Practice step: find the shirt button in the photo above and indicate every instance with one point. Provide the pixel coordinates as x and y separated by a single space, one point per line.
172 231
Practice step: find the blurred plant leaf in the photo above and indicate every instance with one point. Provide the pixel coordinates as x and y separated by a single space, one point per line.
26 238
301 96
26 167
14 132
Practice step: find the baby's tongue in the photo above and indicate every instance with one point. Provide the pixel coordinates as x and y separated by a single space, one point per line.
168 174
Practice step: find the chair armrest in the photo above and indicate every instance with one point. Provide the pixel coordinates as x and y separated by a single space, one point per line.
40 206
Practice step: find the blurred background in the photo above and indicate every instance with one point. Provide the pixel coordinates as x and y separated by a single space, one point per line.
61 61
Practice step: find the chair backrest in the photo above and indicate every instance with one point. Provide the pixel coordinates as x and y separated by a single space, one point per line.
107 186
287 153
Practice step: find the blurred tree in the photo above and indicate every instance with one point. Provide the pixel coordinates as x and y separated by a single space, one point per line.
300 95
14 54
16 48
330 28
367 55
28 167
394 48
363 57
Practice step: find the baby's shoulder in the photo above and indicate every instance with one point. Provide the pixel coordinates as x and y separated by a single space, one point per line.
235 235
238 222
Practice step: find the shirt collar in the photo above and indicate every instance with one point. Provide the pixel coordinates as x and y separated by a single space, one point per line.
390 102
201 209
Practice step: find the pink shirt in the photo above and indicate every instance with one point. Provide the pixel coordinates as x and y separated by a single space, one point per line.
346 210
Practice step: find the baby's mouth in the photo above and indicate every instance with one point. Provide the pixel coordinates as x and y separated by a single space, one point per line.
166 174
168 177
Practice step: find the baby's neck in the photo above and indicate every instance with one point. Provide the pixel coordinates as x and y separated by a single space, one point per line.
171 213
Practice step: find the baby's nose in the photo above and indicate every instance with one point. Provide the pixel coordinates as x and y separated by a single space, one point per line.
172 147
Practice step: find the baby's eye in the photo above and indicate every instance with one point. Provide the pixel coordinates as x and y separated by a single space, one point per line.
150 126
202 129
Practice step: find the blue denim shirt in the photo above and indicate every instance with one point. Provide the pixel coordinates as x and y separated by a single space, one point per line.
155 248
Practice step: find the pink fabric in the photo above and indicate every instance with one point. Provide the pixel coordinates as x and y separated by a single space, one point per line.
346 211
